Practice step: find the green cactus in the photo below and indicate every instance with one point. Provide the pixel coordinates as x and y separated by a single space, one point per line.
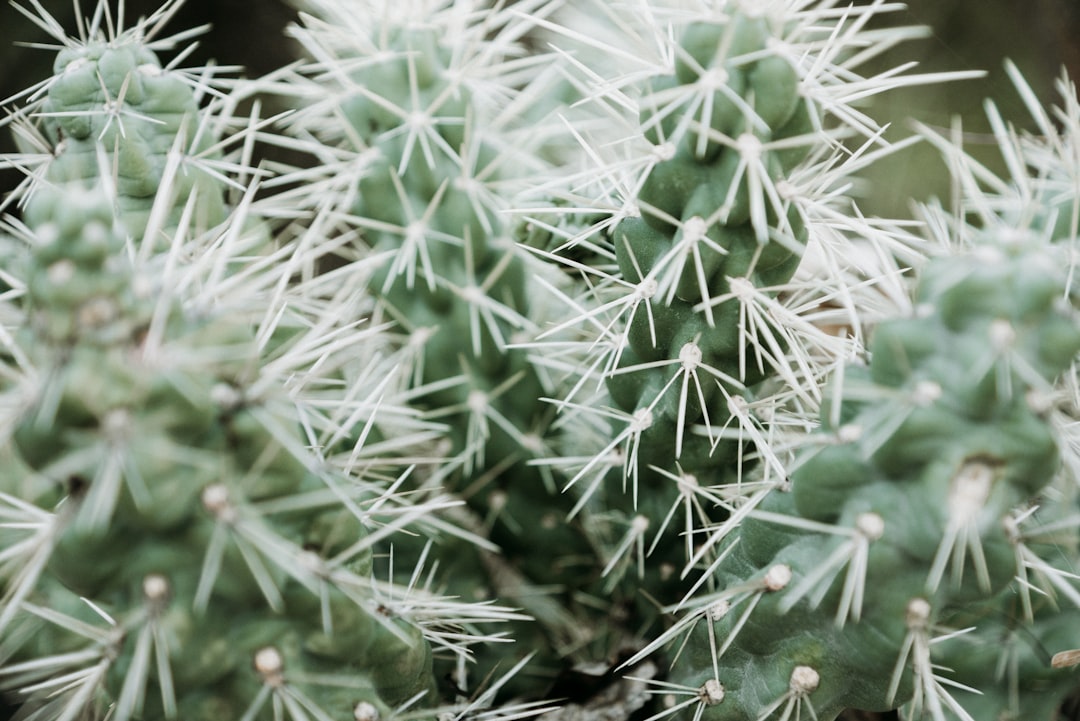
565 320
921 555
713 233
906 521
113 110
407 102
421 149
189 550
163 474
692 320
420 106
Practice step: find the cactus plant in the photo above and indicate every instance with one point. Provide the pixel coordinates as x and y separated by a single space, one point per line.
162 472
176 545
548 329
919 555
111 95
702 342
420 109
912 517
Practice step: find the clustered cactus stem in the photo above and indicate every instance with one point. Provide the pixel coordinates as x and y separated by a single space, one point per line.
712 233
410 98
702 340
421 106
560 306
903 522
924 539
178 545
112 109
141 428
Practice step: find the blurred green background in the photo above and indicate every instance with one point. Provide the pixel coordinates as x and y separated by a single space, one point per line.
1040 36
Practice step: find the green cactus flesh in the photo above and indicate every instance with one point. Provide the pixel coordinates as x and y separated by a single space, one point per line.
171 547
711 237
160 469
113 111
450 273
910 519
458 294
712 232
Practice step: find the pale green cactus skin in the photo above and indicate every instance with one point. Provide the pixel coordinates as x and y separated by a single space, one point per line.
447 270
117 97
465 252
448 275
903 522
705 226
157 464
708 238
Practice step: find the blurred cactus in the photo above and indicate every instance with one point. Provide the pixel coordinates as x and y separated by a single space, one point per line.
164 136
